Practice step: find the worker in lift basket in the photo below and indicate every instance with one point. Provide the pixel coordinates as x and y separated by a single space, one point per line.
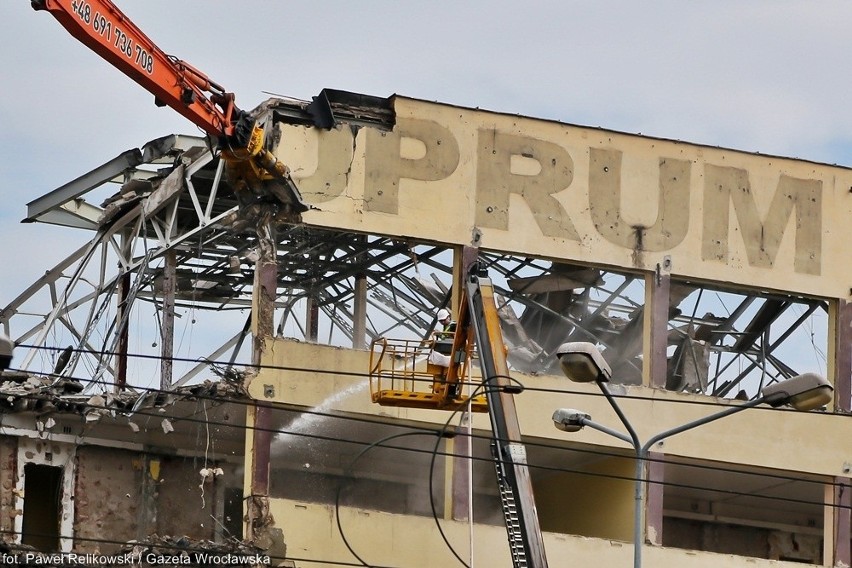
440 354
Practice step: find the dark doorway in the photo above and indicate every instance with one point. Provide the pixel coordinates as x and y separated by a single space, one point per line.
42 506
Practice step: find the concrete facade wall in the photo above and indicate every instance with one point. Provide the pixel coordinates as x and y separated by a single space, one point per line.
183 508
568 192
111 495
777 440
757 437
564 192
393 540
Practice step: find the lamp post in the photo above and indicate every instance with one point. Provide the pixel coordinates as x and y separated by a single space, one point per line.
582 362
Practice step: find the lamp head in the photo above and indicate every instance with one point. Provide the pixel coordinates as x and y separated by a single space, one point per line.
570 420
582 362
6 346
802 392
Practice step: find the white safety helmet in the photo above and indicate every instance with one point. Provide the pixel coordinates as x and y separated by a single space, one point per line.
443 314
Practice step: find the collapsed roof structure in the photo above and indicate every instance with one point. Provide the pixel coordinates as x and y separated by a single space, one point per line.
176 233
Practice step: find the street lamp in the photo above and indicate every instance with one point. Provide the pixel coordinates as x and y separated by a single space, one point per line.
6 346
582 362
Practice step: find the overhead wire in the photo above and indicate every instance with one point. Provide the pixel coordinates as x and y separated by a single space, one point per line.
435 452
347 476
484 386
490 461
376 421
361 374
665 483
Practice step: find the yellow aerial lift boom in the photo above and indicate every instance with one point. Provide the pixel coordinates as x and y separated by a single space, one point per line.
478 324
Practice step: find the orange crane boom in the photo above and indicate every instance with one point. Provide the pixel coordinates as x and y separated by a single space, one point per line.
101 26
104 29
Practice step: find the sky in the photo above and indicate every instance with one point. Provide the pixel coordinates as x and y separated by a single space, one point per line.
761 76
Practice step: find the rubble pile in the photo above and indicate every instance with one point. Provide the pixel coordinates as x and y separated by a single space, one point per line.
22 392
200 553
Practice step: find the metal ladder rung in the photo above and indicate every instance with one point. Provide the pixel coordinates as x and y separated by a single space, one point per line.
512 521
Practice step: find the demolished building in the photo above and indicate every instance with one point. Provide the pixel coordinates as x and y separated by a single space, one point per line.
704 275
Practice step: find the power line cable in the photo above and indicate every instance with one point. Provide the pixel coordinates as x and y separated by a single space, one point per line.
434 452
278 406
254 402
358 374
347 475
729 470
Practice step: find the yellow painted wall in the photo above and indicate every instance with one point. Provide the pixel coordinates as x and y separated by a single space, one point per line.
592 503
561 191
754 437
384 539
785 440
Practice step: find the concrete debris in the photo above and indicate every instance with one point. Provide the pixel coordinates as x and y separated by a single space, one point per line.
201 552
167 426
131 193
22 392
93 416
96 401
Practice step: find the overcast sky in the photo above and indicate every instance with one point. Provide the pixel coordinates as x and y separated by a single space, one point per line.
763 76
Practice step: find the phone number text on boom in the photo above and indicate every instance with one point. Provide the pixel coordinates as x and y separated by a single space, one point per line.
106 29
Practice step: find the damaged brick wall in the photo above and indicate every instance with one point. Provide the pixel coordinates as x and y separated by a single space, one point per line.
742 540
123 495
184 509
8 473
108 497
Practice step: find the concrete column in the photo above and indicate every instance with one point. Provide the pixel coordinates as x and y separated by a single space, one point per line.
121 314
312 319
359 315
656 326
654 499
840 350
167 333
123 338
837 532
359 306
263 321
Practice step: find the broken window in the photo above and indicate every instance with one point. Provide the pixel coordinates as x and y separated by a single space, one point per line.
731 344
583 491
232 513
745 511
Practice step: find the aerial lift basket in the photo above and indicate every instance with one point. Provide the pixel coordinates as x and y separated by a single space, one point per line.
402 375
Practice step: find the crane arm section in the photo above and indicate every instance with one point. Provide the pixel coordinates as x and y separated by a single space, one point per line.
252 168
104 29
